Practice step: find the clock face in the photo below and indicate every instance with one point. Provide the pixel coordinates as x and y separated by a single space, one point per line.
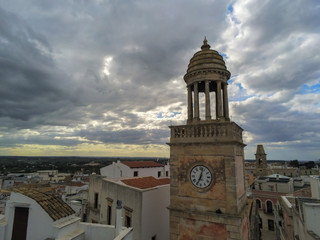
200 176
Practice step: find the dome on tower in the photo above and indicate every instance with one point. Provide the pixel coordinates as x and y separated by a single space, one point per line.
206 60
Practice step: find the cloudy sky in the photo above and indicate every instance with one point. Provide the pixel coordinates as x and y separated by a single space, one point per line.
105 77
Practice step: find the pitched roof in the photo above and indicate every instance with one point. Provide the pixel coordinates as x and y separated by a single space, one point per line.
142 164
146 182
76 184
260 150
54 206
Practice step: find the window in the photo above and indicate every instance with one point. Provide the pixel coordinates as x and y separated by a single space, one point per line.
159 173
135 173
258 203
128 216
154 237
96 197
167 173
269 206
260 186
270 225
109 210
109 215
128 221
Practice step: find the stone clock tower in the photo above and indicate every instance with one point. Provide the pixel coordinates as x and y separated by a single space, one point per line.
208 197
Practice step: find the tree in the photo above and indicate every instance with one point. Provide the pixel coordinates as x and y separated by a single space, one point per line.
294 163
309 164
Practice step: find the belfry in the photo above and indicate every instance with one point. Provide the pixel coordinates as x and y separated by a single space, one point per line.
214 79
261 161
207 189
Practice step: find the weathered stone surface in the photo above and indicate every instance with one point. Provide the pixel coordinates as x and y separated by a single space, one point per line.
217 211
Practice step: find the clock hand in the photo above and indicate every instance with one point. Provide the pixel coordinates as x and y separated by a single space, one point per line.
200 176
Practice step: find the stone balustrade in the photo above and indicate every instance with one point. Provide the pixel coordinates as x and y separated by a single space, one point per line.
227 131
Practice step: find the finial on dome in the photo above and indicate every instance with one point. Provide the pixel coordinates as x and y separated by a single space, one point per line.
205 44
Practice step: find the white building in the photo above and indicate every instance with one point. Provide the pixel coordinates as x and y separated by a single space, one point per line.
298 218
315 186
33 215
135 169
51 175
145 201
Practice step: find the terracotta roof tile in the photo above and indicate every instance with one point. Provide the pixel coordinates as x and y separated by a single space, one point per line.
142 164
76 184
55 207
146 182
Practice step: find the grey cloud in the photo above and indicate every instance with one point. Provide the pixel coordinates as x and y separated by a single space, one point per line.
275 44
51 69
29 84
270 122
130 136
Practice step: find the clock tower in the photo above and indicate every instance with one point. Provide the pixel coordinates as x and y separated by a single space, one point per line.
207 192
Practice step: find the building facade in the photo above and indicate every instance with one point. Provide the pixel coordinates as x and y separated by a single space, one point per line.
135 169
298 218
33 215
145 201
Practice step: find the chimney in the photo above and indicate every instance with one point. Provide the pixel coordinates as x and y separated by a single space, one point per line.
118 217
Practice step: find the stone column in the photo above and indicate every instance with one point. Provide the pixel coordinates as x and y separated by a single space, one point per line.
218 100
225 101
196 101
190 108
207 94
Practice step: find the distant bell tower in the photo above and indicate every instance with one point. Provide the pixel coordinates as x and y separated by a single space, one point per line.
261 161
207 192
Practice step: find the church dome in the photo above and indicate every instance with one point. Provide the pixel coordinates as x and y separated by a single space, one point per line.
206 60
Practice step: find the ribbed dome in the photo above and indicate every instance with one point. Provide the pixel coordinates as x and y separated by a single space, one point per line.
206 59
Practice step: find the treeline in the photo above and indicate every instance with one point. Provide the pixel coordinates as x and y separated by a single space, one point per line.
308 165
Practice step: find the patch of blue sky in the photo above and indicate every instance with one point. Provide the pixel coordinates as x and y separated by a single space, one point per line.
159 115
175 114
232 78
239 85
242 96
306 89
230 8
172 115
225 57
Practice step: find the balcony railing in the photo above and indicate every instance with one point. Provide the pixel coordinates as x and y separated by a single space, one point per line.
227 131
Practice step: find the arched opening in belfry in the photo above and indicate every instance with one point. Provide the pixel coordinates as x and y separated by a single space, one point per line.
213 105
202 106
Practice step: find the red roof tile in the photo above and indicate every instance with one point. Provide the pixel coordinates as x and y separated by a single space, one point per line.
142 164
146 182
76 184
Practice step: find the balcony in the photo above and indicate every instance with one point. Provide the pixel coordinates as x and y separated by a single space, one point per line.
206 132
